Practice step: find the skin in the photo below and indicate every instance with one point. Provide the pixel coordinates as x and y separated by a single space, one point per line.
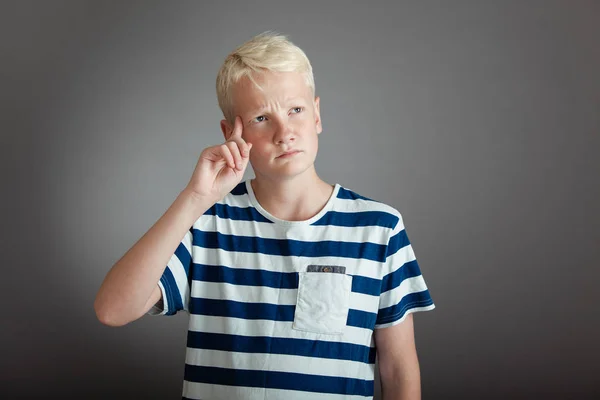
398 362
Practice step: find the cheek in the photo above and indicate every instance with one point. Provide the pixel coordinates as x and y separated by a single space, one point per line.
259 152
307 125
255 140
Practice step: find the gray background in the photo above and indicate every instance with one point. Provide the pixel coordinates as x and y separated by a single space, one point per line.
478 120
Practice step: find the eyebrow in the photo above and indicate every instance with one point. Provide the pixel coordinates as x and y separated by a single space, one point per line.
260 109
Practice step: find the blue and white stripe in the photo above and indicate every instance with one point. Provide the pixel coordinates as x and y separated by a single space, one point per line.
236 272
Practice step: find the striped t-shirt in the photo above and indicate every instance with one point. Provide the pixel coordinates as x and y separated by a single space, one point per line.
286 309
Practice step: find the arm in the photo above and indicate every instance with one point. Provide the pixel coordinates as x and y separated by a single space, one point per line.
398 362
130 288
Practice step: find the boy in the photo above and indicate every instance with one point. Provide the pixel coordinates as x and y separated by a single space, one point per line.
293 285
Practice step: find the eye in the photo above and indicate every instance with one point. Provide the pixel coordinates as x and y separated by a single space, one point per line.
296 110
260 118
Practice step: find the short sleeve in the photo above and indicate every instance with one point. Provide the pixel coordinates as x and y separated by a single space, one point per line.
175 281
403 288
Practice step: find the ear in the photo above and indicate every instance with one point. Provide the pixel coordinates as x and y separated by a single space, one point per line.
318 114
226 128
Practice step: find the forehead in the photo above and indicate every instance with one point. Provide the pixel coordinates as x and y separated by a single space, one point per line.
279 87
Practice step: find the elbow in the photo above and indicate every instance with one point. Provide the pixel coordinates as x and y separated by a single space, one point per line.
108 316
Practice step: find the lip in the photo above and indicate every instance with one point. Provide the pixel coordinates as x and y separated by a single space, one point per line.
289 154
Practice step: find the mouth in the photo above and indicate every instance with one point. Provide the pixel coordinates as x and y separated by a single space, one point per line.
288 154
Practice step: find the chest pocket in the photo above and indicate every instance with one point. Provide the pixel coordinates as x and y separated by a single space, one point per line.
323 298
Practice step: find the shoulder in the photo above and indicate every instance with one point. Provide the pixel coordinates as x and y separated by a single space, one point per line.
233 207
371 210
239 190
237 197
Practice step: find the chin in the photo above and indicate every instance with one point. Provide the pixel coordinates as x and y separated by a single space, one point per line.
286 172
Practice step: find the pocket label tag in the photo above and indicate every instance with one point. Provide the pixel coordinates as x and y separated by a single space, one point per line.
335 269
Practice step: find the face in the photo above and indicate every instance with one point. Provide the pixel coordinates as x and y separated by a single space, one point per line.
282 122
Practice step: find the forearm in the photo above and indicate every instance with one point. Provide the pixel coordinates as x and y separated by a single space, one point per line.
130 282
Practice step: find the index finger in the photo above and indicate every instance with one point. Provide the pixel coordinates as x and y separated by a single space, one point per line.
237 128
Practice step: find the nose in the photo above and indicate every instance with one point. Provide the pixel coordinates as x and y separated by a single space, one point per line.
284 133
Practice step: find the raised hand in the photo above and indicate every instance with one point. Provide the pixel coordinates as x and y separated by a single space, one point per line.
220 168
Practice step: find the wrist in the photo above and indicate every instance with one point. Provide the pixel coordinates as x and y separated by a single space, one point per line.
196 203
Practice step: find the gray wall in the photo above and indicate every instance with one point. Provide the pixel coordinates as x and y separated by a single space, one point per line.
478 120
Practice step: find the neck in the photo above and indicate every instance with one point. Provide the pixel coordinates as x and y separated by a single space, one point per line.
296 199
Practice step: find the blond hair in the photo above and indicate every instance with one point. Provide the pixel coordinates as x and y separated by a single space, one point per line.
268 51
